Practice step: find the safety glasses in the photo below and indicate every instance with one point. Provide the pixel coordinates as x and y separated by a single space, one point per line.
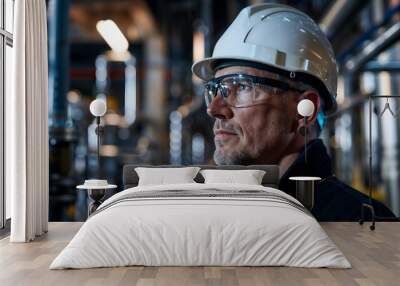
242 90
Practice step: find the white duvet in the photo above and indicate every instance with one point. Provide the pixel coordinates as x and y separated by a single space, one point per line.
208 230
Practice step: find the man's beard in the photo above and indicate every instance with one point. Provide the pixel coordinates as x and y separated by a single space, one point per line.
237 157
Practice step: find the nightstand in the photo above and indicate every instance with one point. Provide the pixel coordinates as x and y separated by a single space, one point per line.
305 190
96 190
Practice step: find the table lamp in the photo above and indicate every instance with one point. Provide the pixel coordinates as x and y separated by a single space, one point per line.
96 188
98 108
305 185
306 109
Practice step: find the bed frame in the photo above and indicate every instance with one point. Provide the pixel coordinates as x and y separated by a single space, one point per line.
270 179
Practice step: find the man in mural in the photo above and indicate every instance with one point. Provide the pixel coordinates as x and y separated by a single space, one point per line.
271 57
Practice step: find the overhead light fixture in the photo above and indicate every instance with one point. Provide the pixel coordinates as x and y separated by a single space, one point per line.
198 46
112 35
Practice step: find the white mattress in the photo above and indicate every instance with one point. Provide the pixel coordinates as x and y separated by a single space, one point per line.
185 230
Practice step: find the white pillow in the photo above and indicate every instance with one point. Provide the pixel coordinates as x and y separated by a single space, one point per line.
248 177
163 176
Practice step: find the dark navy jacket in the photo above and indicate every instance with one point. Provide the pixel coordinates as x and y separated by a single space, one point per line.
334 200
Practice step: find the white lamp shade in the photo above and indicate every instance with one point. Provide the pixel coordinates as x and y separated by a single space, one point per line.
305 107
98 107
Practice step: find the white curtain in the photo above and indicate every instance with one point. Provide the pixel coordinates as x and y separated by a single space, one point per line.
26 123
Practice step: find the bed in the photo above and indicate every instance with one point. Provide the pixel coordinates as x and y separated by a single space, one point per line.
198 224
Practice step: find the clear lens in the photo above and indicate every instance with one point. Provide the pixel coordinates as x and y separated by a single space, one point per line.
209 92
238 90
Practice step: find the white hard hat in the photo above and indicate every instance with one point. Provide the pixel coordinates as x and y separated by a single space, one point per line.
280 38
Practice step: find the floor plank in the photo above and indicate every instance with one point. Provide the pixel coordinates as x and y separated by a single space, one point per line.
375 257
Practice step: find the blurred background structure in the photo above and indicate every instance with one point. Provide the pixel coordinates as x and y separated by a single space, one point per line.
140 64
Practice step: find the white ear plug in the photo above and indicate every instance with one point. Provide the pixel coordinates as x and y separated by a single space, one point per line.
98 107
305 107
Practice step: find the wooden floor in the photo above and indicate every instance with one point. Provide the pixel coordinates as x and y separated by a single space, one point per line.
375 257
